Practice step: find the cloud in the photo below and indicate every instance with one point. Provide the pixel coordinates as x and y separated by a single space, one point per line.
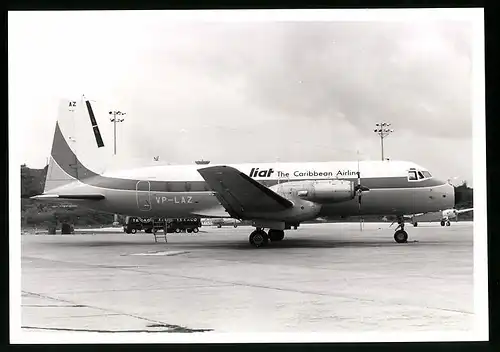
256 91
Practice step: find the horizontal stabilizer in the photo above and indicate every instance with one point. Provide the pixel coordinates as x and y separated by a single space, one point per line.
240 194
69 196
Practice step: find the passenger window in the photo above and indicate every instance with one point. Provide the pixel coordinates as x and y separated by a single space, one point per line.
412 175
196 186
176 186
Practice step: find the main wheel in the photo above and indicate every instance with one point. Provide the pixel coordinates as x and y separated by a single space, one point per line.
401 236
235 225
415 224
276 235
442 222
219 226
448 223
258 238
195 230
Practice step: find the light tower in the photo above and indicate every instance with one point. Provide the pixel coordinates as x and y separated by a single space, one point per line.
383 131
115 121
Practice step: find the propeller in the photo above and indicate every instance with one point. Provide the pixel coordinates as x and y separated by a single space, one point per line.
359 189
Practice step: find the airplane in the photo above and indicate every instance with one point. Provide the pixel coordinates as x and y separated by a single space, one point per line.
442 216
226 222
273 196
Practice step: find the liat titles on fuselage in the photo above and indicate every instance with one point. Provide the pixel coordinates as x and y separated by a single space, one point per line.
256 172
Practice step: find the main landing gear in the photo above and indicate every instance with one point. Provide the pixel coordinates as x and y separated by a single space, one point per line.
400 236
259 238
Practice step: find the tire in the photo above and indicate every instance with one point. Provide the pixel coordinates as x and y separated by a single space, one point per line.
219 226
448 223
195 230
415 224
133 230
177 230
189 230
276 235
401 236
258 239
442 223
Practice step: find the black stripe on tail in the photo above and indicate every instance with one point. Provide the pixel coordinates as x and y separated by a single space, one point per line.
97 133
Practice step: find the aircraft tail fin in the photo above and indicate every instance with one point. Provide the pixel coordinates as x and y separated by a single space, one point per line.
64 166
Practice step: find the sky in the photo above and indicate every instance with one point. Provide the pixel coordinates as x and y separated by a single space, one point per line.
248 89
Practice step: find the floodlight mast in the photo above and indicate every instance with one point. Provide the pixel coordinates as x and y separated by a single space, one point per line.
383 131
115 121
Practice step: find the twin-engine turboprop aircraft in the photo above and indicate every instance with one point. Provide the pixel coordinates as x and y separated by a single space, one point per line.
274 196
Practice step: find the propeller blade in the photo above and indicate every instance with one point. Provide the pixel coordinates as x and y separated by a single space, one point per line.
359 191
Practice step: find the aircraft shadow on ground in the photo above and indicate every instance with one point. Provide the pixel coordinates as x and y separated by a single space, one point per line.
197 242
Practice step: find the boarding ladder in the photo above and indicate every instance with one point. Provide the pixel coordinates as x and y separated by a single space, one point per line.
156 233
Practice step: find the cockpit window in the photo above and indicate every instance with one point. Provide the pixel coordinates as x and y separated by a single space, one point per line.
417 175
412 175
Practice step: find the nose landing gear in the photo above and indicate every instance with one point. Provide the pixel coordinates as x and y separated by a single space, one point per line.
400 236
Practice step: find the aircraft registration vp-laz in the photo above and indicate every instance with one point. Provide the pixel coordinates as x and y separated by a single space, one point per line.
273 196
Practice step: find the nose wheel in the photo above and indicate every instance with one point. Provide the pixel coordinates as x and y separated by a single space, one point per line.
400 236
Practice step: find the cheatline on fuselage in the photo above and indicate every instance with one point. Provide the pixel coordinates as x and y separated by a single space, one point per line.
274 196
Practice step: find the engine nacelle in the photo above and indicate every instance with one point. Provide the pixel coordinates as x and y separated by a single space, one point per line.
322 191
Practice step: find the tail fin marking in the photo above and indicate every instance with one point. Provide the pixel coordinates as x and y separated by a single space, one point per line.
93 122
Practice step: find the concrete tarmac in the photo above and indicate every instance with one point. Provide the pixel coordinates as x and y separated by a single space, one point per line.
320 278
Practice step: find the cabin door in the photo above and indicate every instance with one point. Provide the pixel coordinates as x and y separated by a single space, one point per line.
143 195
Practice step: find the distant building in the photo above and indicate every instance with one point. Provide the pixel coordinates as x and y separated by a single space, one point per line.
202 162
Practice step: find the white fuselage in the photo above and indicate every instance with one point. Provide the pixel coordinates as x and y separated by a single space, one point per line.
179 190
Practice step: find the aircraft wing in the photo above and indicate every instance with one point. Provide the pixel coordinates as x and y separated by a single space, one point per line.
217 212
240 194
69 196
